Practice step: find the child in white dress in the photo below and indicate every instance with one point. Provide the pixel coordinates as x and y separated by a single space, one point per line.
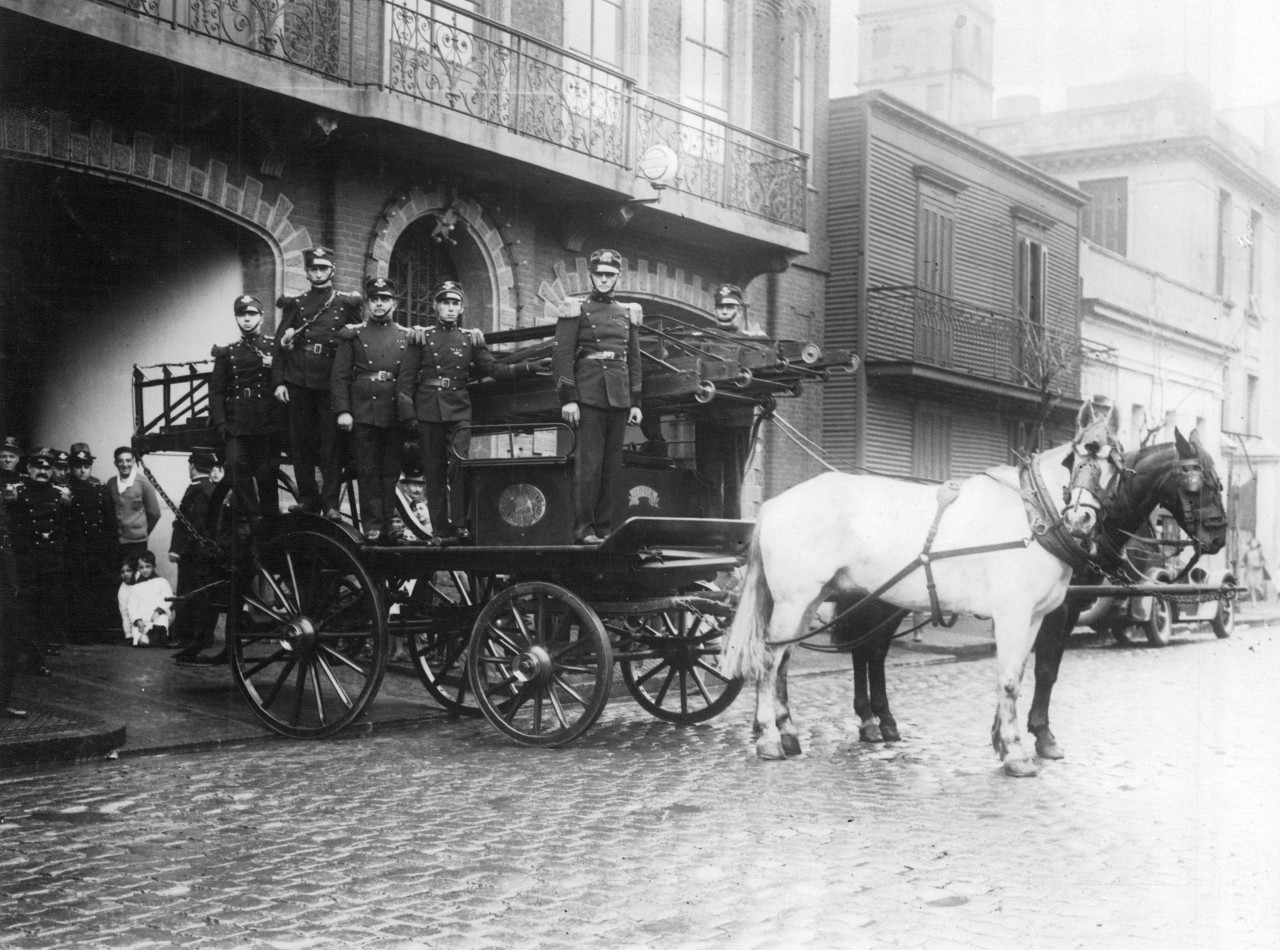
149 604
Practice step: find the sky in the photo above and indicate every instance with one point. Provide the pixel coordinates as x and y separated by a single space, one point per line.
1042 47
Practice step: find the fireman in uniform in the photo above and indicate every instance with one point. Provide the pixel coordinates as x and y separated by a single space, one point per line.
243 413
93 553
433 391
598 381
364 402
725 429
39 524
302 370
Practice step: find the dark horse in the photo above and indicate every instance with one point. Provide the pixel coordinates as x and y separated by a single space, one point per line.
1178 476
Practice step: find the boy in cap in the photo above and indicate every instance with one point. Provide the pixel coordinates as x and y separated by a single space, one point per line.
364 404
194 618
432 392
598 380
93 552
244 414
302 373
725 429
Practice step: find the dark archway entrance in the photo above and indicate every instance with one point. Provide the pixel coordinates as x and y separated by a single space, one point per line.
418 265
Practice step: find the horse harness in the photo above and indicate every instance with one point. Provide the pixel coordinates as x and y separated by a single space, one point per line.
1047 528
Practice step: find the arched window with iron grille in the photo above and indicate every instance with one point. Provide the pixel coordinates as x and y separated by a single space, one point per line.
419 263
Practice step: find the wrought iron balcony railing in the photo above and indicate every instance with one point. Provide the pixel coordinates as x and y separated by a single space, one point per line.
912 324
466 63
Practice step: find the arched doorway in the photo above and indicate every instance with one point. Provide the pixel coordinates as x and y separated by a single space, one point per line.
419 263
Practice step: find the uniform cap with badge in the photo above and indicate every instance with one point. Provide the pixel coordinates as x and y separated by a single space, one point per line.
246 302
61 458
318 256
449 290
605 261
729 293
10 443
379 287
42 454
80 454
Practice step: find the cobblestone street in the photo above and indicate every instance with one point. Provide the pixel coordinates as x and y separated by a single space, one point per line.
1158 830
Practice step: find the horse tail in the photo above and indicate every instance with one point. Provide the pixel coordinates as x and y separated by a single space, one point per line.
744 650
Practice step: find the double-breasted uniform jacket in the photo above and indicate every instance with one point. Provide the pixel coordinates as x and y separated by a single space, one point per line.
433 385
240 388
315 318
39 527
195 507
366 372
91 522
597 356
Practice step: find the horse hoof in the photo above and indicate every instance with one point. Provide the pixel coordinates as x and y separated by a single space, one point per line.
1047 747
1020 768
870 732
791 744
770 751
890 732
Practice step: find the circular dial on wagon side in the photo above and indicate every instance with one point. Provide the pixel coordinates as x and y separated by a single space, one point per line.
522 505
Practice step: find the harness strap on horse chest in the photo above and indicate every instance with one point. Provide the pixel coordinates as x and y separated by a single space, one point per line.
1046 523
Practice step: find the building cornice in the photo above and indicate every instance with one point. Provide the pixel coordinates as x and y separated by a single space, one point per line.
897 111
1103 311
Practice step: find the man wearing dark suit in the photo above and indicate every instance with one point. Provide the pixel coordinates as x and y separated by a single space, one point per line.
244 415
93 554
433 391
598 380
724 429
302 371
39 538
195 618
364 404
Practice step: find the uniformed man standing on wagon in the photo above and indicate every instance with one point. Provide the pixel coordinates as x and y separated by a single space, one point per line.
302 370
433 393
364 403
724 428
244 415
599 382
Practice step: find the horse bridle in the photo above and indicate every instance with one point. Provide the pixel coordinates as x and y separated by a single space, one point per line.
1085 464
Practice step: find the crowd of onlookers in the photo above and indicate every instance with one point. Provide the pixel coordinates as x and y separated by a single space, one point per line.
74 562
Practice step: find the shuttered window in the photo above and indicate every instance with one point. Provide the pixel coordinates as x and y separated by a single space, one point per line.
1030 269
935 239
1105 219
931 455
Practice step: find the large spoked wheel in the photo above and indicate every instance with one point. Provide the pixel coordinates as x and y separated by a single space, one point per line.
440 614
670 661
308 635
540 664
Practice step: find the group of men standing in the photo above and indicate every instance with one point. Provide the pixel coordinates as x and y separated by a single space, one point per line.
342 368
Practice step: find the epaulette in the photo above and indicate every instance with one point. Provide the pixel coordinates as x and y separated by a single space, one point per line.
355 297
571 309
635 313
220 350
477 337
349 331
284 300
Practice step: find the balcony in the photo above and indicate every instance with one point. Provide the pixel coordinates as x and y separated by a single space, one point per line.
507 80
920 335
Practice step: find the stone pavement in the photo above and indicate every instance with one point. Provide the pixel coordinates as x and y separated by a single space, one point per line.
1156 832
108 701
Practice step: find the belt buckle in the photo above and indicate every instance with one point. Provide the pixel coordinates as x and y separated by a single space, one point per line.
317 349
446 383
383 376
246 393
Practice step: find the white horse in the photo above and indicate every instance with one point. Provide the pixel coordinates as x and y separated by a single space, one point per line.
840 533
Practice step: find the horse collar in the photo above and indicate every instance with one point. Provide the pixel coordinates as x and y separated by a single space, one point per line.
1045 520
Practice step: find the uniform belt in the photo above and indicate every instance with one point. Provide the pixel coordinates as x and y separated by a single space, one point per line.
320 349
381 376
249 392
443 382
603 355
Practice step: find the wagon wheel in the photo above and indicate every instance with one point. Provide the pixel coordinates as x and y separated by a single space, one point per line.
442 611
540 664
308 635
670 666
